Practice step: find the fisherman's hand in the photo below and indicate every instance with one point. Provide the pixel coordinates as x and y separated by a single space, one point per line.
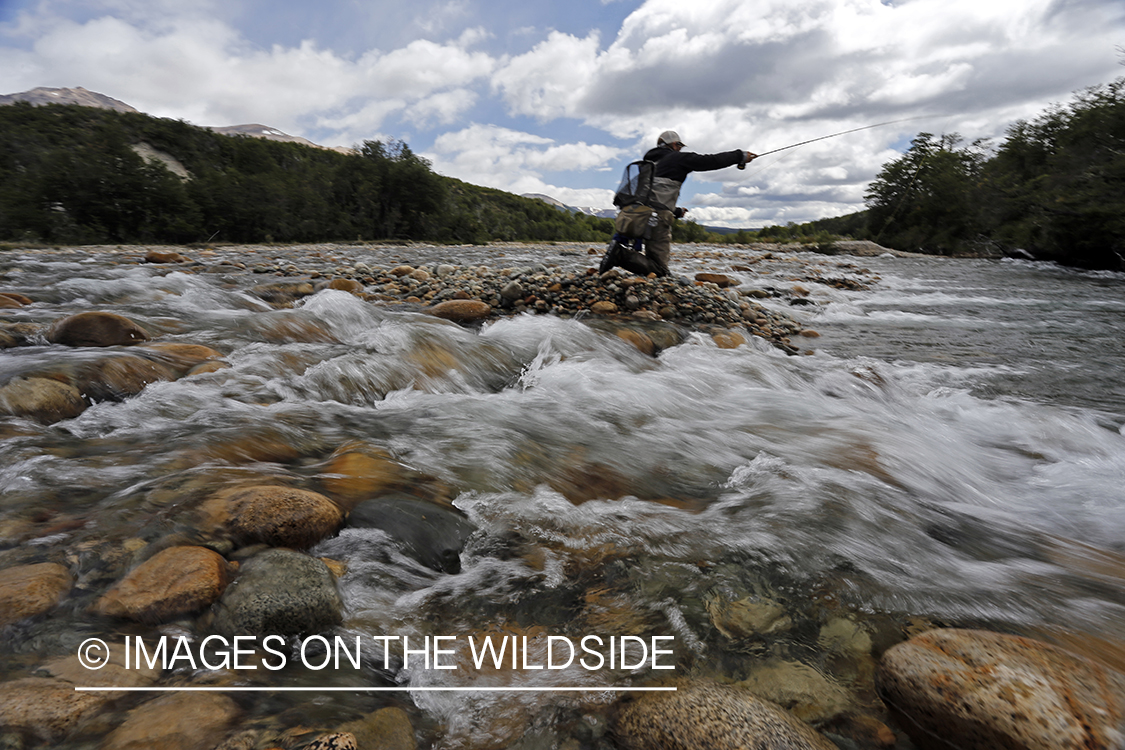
679 212
747 157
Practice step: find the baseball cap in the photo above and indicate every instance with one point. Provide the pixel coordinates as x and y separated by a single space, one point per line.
669 137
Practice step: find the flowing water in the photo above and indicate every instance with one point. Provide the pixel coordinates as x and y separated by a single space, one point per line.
949 451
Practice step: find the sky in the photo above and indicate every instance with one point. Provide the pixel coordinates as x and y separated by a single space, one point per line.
532 96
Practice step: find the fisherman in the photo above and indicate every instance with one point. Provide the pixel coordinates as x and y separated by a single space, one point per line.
673 165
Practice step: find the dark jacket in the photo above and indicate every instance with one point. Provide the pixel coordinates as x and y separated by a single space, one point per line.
676 165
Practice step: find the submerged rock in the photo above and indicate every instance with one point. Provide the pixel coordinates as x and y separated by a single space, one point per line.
712 716
175 581
433 535
44 400
977 690
281 592
179 721
278 516
44 708
28 590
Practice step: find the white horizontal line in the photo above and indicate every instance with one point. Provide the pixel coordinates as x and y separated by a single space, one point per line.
380 689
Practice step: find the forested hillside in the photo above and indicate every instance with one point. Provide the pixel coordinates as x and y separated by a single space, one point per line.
1054 188
72 175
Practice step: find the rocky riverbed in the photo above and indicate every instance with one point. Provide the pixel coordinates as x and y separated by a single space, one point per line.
286 465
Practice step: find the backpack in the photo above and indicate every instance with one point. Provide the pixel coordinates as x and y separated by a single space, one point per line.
636 184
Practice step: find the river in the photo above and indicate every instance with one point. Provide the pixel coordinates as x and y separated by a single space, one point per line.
948 451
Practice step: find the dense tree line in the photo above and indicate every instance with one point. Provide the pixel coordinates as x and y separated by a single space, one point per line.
1054 188
72 175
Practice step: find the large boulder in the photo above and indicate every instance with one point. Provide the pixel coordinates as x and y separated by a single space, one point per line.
278 516
176 581
28 590
977 690
96 328
713 716
281 592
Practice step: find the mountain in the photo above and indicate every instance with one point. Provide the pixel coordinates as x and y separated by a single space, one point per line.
601 213
83 98
80 96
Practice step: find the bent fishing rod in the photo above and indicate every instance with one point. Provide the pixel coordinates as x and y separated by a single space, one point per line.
833 135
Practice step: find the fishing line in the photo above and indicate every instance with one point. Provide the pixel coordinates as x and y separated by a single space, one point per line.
844 132
831 135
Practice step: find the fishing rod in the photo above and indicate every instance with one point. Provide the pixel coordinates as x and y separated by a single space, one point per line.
833 135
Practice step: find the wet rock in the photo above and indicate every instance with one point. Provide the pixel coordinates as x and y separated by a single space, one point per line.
286 327
181 357
713 716
174 582
11 300
157 256
728 339
17 334
345 285
96 328
178 721
462 310
29 590
385 729
720 280
119 376
747 617
431 534
44 400
283 292
603 307
640 340
979 690
803 691
46 709
274 515
359 473
280 591
113 673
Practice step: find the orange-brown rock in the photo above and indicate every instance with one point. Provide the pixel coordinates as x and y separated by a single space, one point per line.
728 339
45 400
361 472
183 357
46 709
720 280
603 307
177 721
346 285
19 299
980 690
641 341
176 581
274 515
713 716
27 590
461 310
157 256
96 328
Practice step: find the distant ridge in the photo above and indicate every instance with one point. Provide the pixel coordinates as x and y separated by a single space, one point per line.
81 97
